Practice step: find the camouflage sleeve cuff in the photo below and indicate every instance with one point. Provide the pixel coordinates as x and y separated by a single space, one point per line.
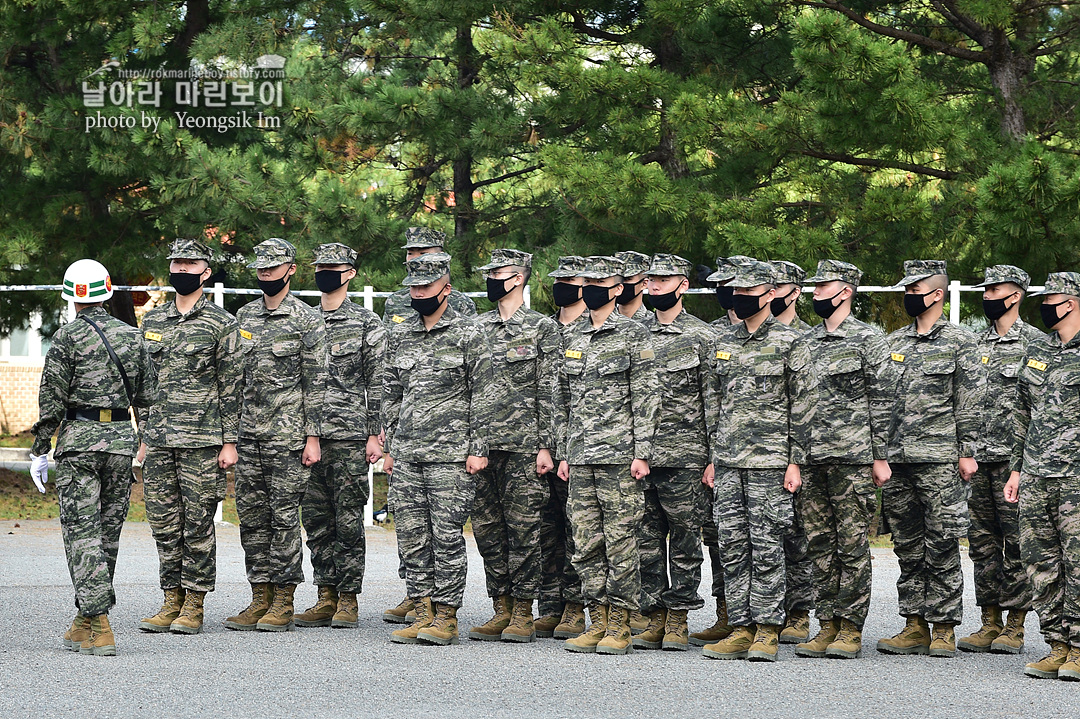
42 445
478 449
880 450
967 449
643 450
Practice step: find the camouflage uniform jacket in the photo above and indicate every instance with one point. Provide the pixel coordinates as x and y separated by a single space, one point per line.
1001 356
564 379
355 340
79 374
686 418
1048 411
852 390
799 326
721 322
610 411
524 353
437 387
761 383
940 383
284 371
197 363
399 305
641 314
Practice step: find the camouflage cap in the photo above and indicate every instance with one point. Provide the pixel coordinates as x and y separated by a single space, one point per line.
1061 283
334 253
726 267
753 274
425 269
505 258
634 263
835 270
569 266
664 265
272 253
788 273
182 249
916 270
1005 273
599 267
421 238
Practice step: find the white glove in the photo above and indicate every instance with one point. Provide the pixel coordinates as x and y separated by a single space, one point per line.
39 471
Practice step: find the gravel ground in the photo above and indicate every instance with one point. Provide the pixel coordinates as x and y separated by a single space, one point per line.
322 672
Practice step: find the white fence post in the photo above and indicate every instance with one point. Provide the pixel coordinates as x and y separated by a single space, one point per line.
369 298
527 296
219 294
954 302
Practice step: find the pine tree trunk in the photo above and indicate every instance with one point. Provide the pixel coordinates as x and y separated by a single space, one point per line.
468 64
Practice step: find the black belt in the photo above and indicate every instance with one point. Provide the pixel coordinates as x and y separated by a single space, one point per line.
99 415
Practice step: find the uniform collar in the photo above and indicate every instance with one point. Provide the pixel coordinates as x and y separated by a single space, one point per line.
513 323
609 324
676 326
343 312
287 304
1012 335
761 333
912 329
846 328
448 316
173 311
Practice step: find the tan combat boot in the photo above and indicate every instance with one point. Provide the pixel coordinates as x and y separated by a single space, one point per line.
80 630
249 616
734 646
675 631
443 630
346 615
587 640
617 636
1048 666
653 635
572 623
914 638
170 610
492 629
190 620
718 631
521 627
407 635
279 618
981 639
1070 670
1011 639
848 642
101 641
943 641
766 643
638 622
545 626
322 612
816 647
796 628
400 613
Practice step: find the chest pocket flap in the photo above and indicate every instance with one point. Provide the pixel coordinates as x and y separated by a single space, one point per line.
404 362
521 353
448 361
613 364
844 364
685 360
769 366
345 347
939 366
198 348
286 346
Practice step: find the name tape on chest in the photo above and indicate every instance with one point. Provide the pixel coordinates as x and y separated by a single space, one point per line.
152 336
723 355
1036 364
985 360
573 354
397 319
245 334
647 354
897 357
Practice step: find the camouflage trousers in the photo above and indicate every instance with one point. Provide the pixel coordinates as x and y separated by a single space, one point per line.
1050 546
93 490
605 507
753 514
431 503
670 540
837 502
927 509
270 483
994 539
712 544
559 581
797 569
333 515
182 488
506 523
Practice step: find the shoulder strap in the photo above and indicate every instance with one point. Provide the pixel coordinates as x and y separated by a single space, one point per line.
116 360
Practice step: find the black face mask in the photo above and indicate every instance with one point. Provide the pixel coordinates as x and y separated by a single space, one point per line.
627 295
273 287
496 289
595 296
780 304
185 283
1050 316
426 306
329 280
724 296
565 294
915 304
825 308
747 305
665 301
996 309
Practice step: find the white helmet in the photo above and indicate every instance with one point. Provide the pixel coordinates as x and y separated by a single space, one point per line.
86 282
